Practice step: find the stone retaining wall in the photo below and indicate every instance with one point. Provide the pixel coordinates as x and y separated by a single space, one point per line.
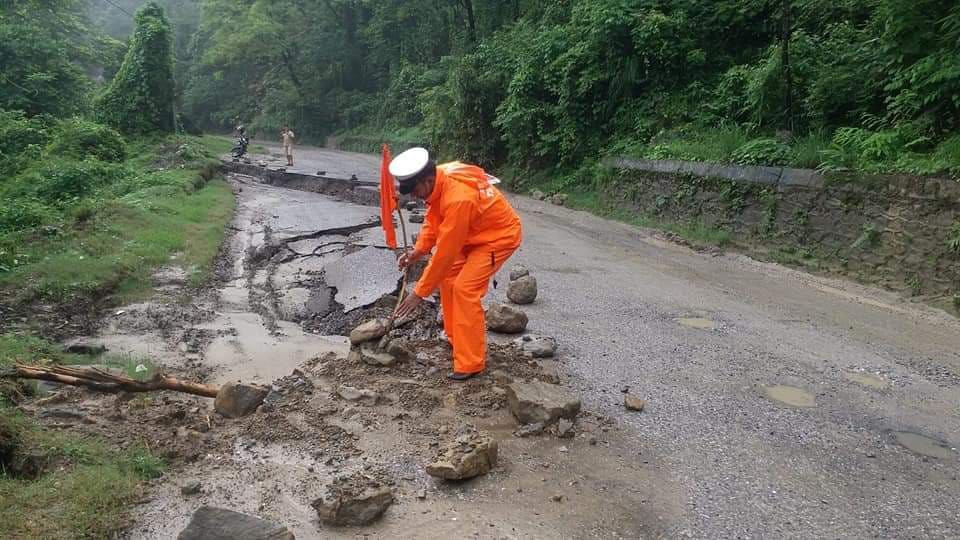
894 230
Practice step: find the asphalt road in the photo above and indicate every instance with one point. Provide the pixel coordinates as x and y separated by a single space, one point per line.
779 404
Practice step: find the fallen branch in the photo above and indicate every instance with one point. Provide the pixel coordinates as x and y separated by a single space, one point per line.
103 381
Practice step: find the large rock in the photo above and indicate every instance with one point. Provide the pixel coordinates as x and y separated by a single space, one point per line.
368 331
237 399
468 456
518 272
209 523
505 319
540 402
559 199
368 354
361 509
538 195
537 346
522 290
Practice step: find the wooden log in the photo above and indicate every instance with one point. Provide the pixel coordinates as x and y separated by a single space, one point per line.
103 381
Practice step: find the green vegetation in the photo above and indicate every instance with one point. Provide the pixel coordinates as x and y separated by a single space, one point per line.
54 485
141 97
864 85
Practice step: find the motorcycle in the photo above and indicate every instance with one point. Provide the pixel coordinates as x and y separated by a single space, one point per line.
240 149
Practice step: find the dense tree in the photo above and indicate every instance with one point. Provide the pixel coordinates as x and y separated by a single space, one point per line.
140 99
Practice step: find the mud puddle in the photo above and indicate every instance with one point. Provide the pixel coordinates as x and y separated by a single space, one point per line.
867 379
923 445
790 395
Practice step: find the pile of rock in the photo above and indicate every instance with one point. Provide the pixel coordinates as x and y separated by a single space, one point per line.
558 199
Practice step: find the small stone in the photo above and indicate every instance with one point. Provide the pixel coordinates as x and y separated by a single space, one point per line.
505 319
235 400
368 331
361 509
349 393
564 429
469 456
416 218
633 403
190 489
422 494
564 449
557 498
540 402
522 290
402 350
518 272
209 523
537 346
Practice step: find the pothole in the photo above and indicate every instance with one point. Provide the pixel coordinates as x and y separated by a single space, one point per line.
866 379
790 395
923 445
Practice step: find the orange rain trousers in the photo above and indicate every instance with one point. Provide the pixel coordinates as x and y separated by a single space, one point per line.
461 298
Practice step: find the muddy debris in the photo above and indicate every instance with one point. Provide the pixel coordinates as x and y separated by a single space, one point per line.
633 403
538 402
505 319
522 290
236 400
470 455
537 346
353 500
210 523
369 331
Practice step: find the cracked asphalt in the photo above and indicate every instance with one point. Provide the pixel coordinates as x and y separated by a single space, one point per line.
724 349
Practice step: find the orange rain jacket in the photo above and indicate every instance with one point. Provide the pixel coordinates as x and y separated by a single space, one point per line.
464 213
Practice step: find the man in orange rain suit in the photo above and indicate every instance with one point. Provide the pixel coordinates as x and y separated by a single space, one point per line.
474 230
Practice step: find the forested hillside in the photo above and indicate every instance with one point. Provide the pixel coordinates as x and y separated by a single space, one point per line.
871 84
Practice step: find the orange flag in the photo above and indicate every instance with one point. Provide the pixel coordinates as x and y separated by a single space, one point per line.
388 199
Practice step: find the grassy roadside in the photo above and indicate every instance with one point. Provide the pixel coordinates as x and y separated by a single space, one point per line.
163 205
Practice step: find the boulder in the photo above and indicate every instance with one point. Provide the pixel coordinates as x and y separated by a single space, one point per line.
360 509
559 199
235 400
540 402
505 319
518 272
538 195
368 354
209 523
522 290
368 331
467 457
537 346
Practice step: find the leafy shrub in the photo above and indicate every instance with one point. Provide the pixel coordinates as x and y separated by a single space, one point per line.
81 139
764 151
21 139
61 181
24 213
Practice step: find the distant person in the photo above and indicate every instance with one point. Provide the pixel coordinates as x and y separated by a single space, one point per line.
288 137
